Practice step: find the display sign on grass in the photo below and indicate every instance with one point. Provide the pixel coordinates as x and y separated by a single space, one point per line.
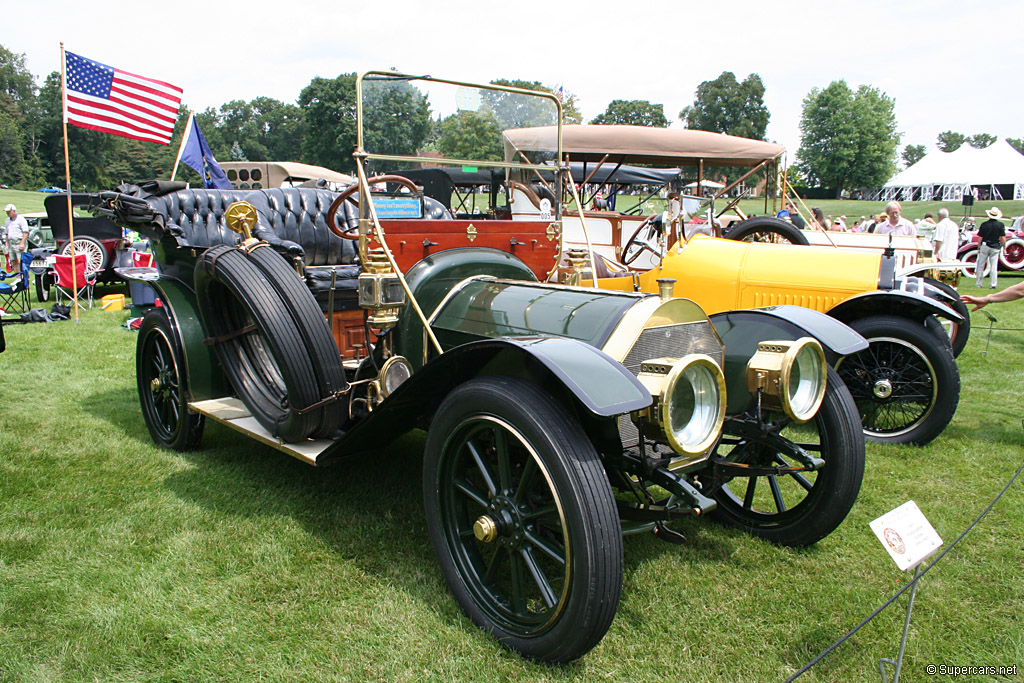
907 535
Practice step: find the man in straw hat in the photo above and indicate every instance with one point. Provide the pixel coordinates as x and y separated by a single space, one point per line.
992 236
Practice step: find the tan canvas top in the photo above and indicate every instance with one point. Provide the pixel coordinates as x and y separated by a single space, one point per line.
642 145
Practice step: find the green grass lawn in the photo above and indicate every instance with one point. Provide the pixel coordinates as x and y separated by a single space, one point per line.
120 561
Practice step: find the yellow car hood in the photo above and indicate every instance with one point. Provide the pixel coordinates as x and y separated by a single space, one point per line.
724 275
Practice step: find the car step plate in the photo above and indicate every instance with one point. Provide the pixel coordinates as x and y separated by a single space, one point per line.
233 413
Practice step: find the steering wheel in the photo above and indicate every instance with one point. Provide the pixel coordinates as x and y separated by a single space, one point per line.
346 196
645 238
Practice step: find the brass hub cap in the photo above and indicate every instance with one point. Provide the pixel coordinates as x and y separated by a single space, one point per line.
156 385
485 529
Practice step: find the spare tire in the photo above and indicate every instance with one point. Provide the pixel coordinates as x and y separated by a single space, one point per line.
260 347
766 229
312 325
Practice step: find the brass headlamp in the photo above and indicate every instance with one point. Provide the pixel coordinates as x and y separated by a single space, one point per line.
790 376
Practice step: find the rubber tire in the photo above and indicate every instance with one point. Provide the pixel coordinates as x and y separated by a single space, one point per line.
971 255
270 369
158 354
835 487
591 591
94 247
785 232
314 328
961 331
943 377
1012 257
42 287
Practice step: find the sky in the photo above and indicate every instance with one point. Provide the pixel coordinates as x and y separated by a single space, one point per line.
947 66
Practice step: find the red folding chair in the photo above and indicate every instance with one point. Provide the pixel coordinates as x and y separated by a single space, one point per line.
64 282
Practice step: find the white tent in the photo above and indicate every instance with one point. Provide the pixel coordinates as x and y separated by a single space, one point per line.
948 175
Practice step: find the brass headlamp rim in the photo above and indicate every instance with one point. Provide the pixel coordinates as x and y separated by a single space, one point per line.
774 378
667 391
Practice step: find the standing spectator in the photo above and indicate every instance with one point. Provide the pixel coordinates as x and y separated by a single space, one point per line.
16 235
947 237
992 236
926 226
894 223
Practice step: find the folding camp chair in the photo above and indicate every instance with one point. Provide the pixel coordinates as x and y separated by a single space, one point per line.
64 283
13 293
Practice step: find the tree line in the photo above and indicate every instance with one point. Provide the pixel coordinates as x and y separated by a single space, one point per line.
848 137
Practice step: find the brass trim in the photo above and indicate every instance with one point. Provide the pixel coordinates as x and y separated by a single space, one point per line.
471 232
652 312
770 370
485 529
241 217
672 378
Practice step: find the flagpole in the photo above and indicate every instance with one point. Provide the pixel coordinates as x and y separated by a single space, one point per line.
67 179
184 139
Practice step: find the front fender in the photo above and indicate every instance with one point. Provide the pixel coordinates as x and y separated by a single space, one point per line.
908 304
205 378
592 382
743 330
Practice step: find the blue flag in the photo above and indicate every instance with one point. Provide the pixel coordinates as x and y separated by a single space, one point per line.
197 154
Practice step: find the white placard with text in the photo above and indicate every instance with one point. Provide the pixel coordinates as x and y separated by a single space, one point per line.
907 535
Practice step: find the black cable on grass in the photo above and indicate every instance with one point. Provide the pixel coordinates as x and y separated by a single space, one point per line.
910 583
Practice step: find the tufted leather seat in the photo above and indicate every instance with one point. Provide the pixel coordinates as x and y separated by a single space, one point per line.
297 217
195 218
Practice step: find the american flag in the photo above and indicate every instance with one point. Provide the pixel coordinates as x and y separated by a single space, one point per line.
100 97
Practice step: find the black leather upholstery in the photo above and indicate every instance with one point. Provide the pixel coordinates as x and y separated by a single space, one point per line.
195 218
297 217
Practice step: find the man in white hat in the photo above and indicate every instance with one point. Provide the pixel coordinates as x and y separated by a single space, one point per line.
992 238
16 233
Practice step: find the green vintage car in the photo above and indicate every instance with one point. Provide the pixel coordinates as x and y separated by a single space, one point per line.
558 417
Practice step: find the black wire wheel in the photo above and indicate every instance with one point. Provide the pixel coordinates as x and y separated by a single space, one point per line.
259 346
163 386
781 501
766 229
522 519
906 384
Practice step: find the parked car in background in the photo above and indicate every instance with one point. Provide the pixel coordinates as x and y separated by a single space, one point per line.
39 233
50 190
98 237
906 384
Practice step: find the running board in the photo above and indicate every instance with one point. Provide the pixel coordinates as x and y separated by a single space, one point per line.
233 413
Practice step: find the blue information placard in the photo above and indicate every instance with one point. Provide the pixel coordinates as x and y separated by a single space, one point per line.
398 207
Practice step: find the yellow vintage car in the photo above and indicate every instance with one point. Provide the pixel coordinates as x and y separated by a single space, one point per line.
906 384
